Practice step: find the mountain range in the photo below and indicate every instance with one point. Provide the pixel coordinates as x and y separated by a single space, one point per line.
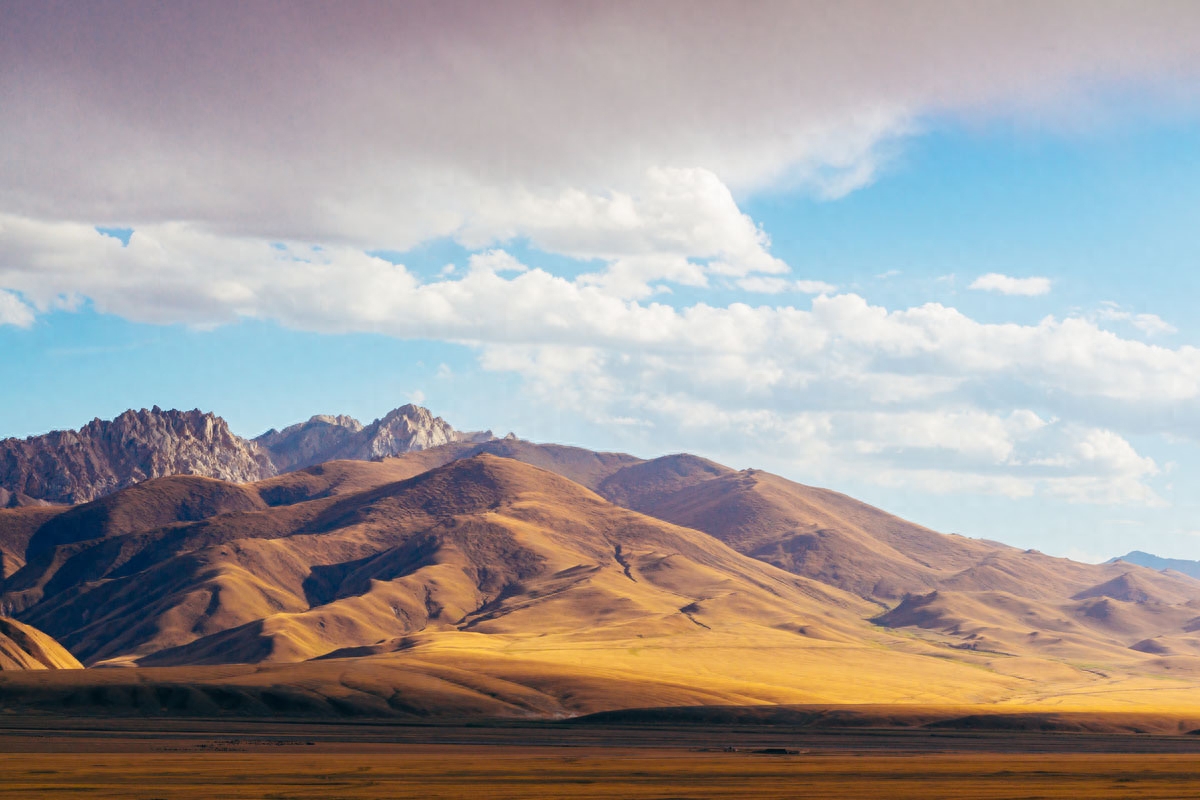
105 456
472 575
1144 559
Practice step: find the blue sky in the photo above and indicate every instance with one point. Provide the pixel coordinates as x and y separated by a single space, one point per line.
784 283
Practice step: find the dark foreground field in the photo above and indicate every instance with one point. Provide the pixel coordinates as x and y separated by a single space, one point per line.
182 759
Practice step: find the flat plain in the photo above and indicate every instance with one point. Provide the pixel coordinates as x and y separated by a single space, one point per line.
179 758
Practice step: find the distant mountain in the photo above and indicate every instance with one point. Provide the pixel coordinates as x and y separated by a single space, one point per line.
328 438
1144 559
105 456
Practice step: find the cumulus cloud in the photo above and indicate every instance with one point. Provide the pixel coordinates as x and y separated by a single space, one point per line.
1004 284
13 311
897 393
1149 324
943 447
384 125
176 273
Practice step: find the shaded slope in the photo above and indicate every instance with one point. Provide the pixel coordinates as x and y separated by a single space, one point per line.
643 485
452 558
488 545
843 542
484 544
973 595
1144 587
145 506
346 477
584 467
17 527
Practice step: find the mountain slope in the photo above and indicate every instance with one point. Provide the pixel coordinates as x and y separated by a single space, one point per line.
23 647
105 456
482 545
962 593
813 532
485 585
457 574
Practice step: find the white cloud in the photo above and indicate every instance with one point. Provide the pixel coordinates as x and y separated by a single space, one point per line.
175 273
1149 324
383 128
902 395
951 449
1004 284
1083 556
970 432
1152 325
765 285
13 311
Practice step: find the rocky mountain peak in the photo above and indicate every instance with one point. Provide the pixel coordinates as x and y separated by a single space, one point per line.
339 420
413 427
107 455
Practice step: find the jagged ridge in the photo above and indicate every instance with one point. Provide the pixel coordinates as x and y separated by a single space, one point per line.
327 438
106 456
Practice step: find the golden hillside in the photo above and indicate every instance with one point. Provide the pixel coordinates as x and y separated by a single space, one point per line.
455 580
23 647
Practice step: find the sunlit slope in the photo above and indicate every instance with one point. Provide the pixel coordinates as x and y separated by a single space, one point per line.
585 467
814 532
23 647
493 546
493 573
483 544
477 582
961 593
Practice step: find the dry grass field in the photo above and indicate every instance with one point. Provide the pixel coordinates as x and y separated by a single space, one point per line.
233 768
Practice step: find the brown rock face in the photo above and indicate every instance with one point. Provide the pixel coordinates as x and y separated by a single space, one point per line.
105 456
328 438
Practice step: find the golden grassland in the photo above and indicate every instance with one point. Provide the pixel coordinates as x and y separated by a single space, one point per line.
497 772
462 674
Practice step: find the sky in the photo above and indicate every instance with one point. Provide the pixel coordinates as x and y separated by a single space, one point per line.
939 256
